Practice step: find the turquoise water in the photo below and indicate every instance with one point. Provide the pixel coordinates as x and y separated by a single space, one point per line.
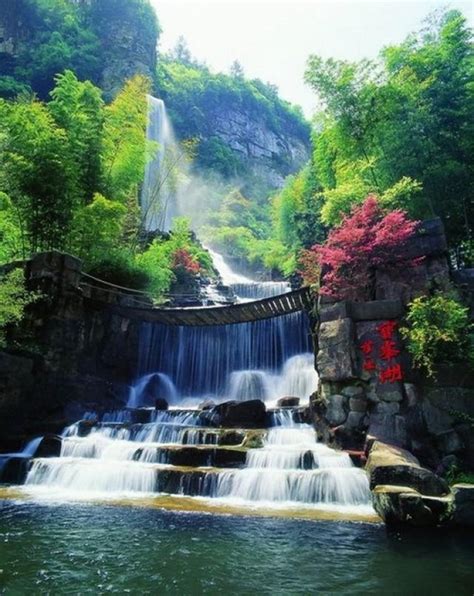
89 549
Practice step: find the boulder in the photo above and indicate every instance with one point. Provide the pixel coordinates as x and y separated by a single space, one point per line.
464 504
161 404
402 505
449 442
355 420
208 404
388 427
288 402
336 411
411 394
387 408
352 391
391 396
357 404
50 446
420 479
239 414
390 465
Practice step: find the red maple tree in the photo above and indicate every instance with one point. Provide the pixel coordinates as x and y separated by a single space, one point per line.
182 259
366 239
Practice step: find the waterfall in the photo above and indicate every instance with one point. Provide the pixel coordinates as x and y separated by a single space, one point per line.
266 359
290 469
160 196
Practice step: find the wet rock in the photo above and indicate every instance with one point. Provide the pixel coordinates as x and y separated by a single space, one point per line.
402 505
161 404
464 504
13 468
234 414
288 402
50 446
208 404
198 457
232 437
336 412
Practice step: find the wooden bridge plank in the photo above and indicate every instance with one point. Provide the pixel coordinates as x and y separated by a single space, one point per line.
257 310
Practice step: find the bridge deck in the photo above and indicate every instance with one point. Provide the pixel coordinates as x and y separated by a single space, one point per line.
246 312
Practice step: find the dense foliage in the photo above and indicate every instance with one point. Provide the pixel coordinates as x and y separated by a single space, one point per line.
14 298
365 240
438 333
52 36
70 175
401 127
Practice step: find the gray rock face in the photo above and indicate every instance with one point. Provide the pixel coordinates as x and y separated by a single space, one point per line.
464 504
358 404
336 412
336 355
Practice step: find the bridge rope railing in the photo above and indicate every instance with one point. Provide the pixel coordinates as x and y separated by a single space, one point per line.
134 306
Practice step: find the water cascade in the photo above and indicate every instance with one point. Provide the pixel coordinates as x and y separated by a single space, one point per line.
290 468
162 185
188 451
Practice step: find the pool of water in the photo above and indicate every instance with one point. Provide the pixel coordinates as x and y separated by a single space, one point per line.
81 548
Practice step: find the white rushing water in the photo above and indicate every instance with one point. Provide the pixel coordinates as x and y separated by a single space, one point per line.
290 469
132 451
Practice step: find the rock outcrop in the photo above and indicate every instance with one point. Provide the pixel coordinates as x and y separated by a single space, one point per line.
367 386
406 494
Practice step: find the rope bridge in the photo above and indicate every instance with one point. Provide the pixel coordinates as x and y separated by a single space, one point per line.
135 304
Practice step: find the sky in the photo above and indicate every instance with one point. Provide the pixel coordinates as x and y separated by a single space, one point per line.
273 39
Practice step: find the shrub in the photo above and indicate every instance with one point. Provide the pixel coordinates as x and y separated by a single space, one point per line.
120 268
14 298
438 332
366 239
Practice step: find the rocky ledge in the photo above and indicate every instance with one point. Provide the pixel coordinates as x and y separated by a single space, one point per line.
406 494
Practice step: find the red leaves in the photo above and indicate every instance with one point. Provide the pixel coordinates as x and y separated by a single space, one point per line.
366 239
183 259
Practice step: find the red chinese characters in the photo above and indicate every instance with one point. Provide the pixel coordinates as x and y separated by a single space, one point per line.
387 352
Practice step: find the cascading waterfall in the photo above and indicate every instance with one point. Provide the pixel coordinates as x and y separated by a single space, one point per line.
265 360
290 469
183 451
162 184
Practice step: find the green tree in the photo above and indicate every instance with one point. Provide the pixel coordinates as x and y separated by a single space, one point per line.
401 128
77 107
36 174
125 150
14 298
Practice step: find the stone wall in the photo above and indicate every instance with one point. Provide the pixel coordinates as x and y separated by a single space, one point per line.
76 352
367 386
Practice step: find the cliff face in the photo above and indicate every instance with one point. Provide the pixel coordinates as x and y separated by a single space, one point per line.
269 155
128 36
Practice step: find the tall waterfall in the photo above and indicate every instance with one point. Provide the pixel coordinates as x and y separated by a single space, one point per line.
161 188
